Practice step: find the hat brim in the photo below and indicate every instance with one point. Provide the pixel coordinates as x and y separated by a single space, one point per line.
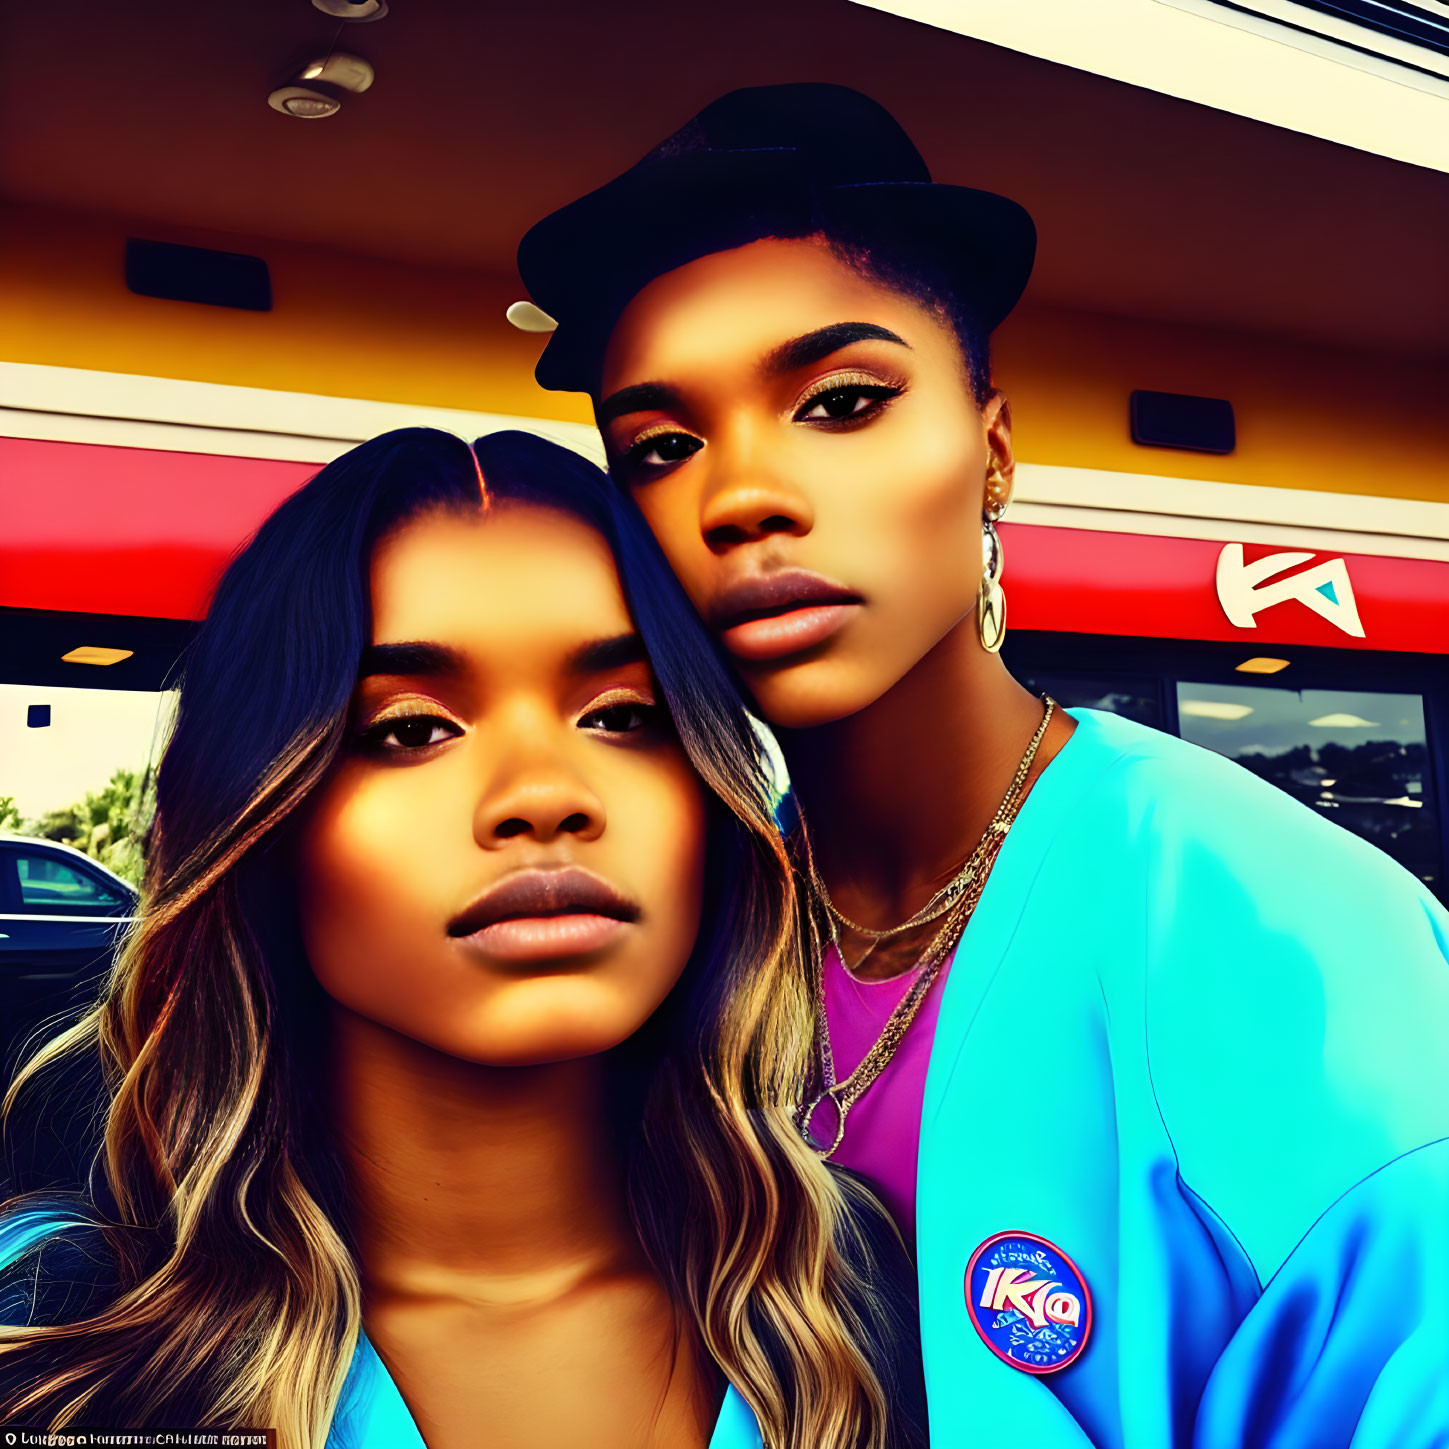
587 261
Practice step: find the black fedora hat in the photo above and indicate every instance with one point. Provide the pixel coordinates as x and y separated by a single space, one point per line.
785 160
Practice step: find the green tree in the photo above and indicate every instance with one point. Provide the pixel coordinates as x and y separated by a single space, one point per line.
109 825
9 815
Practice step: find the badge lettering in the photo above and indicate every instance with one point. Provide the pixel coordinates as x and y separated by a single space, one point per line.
1028 1301
1064 1308
1015 1289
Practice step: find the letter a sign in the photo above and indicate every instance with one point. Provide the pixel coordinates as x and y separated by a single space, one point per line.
1246 589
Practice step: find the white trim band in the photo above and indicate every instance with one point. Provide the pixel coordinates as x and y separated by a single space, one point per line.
73 404
176 415
1192 508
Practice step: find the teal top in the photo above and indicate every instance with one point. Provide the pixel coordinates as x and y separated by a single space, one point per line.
1197 1038
371 1413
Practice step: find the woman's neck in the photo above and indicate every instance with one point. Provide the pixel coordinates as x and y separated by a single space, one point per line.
494 1181
898 794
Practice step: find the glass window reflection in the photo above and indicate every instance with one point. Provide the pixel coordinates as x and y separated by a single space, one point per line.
1358 757
1135 697
52 887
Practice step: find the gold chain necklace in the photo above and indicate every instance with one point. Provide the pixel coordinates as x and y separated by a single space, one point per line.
964 890
934 908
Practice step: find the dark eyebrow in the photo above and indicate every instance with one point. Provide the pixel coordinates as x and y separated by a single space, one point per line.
802 351
643 397
413 658
600 654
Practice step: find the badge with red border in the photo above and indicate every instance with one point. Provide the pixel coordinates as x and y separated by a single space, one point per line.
1029 1302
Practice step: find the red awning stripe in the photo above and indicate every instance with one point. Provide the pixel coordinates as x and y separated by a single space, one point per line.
91 528
105 530
1088 582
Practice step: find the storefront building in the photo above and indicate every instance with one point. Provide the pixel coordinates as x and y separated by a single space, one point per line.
1311 650
1284 600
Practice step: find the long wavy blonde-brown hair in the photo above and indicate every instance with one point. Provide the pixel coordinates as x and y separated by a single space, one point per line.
233 1293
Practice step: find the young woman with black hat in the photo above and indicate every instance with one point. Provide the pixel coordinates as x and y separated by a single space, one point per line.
1149 1058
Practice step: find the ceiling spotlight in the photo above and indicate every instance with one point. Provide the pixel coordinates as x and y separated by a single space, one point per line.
353 9
327 81
528 318
299 101
96 654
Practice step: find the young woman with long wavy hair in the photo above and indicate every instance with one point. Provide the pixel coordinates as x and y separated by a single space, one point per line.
1149 1059
448 1070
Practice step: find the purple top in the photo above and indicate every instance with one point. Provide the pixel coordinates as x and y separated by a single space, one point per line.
883 1131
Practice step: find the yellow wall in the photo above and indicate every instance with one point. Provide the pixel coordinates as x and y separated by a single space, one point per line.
1308 416
342 325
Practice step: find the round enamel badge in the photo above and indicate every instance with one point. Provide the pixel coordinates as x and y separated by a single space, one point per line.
1029 1302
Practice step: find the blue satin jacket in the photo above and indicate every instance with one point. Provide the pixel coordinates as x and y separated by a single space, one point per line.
1196 1040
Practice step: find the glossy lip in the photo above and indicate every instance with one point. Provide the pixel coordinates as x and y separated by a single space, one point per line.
539 915
771 616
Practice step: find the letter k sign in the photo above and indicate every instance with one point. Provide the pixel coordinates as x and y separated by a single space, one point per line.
1244 590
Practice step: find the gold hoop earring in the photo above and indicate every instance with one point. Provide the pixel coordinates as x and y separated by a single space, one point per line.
990 597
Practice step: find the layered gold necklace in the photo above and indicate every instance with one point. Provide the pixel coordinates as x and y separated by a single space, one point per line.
955 901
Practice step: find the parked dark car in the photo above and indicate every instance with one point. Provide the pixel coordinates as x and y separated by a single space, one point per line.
61 916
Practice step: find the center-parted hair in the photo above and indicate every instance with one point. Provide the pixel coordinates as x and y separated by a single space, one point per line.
206 1274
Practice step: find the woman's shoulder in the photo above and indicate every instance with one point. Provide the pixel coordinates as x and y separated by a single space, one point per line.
1290 979
1159 772
1286 982
1198 819
1231 889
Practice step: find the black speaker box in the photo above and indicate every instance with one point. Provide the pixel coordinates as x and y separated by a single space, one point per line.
1179 420
198 274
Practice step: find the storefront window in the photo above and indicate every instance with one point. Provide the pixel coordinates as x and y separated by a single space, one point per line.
1360 758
